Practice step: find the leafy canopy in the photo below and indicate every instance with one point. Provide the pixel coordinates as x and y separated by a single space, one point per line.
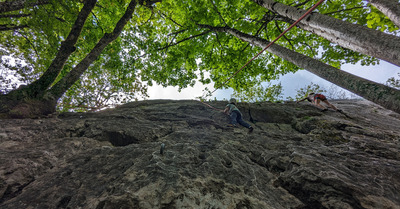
175 50
166 45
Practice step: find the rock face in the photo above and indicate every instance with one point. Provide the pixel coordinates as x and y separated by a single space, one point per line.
297 157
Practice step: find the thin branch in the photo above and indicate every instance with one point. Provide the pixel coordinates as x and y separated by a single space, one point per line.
257 33
97 21
172 39
9 6
310 47
219 14
284 36
12 27
177 32
15 15
301 4
219 42
343 10
185 39
33 46
148 20
167 17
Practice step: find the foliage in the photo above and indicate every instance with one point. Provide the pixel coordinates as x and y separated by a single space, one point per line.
270 93
93 93
108 79
175 50
13 73
167 45
334 92
377 20
394 82
305 91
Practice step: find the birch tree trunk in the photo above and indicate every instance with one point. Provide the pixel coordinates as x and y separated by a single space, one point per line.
378 93
390 8
352 36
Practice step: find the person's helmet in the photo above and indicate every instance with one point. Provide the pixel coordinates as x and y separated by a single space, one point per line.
232 100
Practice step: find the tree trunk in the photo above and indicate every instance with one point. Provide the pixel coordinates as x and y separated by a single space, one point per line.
67 81
38 87
390 8
19 104
378 93
352 36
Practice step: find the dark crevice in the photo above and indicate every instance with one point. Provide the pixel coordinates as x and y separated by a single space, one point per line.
64 202
311 198
119 139
9 194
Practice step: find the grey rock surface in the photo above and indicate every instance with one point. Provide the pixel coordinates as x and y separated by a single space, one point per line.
181 154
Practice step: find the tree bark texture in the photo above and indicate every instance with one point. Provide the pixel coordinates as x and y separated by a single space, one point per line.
15 5
390 8
352 36
67 81
66 49
378 93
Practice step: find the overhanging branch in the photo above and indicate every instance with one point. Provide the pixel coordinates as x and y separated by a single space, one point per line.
9 6
185 39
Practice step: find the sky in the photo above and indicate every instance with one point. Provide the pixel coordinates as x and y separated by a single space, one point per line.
291 82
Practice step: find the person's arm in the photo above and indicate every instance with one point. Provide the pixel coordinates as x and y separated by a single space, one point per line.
226 111
301 100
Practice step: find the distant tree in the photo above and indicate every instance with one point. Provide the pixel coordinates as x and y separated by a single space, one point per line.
394 82
333 92
271 93
304 91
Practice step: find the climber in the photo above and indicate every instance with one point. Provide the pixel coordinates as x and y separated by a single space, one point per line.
316 99
235 115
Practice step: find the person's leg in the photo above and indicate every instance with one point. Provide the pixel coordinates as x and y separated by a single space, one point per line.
242 122
317 103
330 105
233 117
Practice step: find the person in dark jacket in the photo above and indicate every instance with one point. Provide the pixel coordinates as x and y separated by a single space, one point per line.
235 115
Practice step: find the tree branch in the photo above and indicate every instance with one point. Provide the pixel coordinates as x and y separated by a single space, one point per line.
166 17
16 5
185 39
67 81
301 4
11 27
33 46
284 36
66 49
219 14
343 10
15 15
